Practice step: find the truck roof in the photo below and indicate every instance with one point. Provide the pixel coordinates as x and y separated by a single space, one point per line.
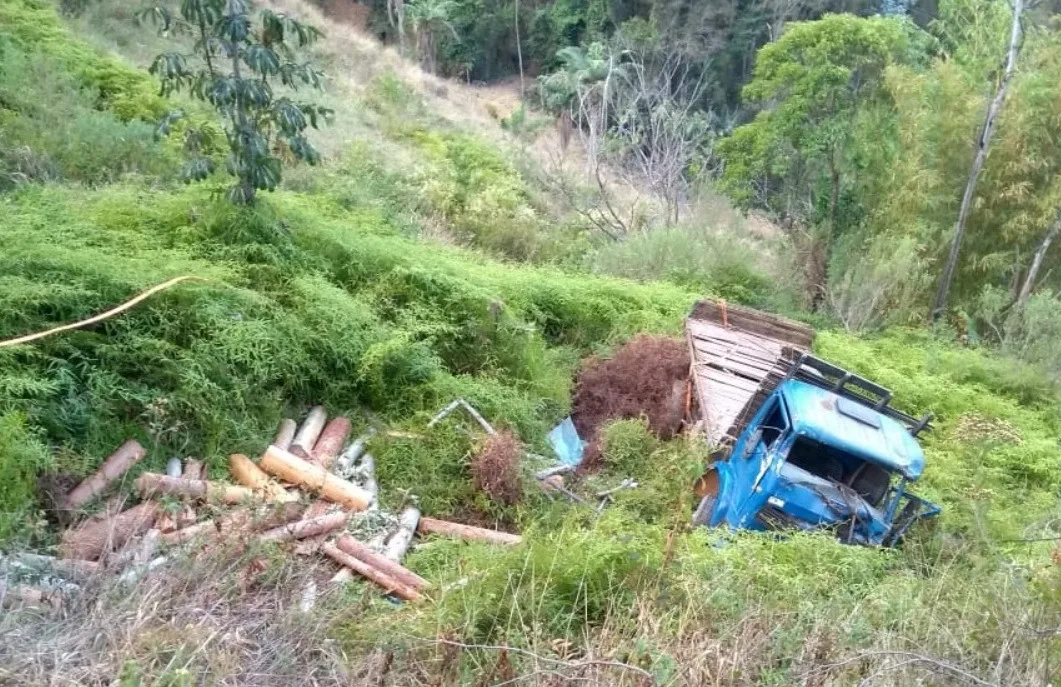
852 427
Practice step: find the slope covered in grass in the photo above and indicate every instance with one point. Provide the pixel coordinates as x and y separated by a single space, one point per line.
333 291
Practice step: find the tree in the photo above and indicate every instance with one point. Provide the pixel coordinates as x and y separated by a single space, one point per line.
428 20
234 65
813 84
983 143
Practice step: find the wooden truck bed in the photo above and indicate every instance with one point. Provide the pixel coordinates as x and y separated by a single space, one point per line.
738 357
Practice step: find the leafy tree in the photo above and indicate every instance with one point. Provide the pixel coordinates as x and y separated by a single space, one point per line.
235 62
794 159
429 20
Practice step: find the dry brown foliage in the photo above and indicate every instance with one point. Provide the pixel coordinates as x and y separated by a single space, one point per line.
645 378
496 468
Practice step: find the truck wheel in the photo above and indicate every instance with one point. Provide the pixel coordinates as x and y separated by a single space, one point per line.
706 509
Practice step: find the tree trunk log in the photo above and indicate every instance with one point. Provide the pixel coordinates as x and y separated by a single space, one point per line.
127 455
285 434
250 475
1037 262
399 542
194 469
468 532
373 574
151 484
97 536
314 478
331 441
361 552
939 305
303 529
302 445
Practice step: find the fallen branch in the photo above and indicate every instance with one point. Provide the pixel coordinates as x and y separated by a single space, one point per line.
371 573
291 468
116 465
102 316
461 403
152 484
306 437
467 532
583 663
332 438
909 658
253 477
303 529
285 434
349 545
96 536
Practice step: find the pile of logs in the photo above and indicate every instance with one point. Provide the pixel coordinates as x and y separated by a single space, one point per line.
305 488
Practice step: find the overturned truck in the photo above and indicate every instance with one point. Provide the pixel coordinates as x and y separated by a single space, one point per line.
800 443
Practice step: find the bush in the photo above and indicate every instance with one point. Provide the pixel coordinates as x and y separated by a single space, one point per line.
34 26
50 131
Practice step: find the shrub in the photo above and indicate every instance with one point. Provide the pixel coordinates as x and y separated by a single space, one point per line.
496 468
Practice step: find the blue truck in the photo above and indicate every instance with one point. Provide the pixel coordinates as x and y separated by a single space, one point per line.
800 443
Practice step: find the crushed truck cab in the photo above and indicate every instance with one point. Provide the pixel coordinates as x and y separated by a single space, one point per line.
803 444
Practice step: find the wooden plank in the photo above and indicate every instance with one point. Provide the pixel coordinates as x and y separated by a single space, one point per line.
789 331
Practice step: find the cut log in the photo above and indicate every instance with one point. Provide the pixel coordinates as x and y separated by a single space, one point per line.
306 437
371 573
97 536
117 463
250 475
15 595
312 477
331 441
204 528
361 552
152 484
194 469
346 461
65 567
285 434
174 467
399 542
454 529
302 529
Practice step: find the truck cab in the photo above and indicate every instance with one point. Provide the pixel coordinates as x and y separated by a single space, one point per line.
799 443
811 459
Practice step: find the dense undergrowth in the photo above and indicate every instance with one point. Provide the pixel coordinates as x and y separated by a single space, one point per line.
329 292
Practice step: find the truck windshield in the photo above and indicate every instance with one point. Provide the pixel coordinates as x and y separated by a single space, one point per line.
869 480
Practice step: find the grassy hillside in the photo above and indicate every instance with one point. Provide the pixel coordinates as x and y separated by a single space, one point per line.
337 290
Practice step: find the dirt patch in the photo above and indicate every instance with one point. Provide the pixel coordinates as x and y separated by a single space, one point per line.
496 468
645 378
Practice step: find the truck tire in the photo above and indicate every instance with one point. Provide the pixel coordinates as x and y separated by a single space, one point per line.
706 509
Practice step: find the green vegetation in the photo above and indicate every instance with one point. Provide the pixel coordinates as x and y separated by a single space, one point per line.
430 262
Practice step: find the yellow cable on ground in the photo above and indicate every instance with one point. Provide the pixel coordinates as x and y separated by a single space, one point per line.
102 316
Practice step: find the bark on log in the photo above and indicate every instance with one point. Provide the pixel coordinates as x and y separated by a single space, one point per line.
399 542
306 437
368 478
302 529
15 595
454 529
331 441
117 463
361 552
65 567
152 484
204 528
286 466
373 574
346 461
250 475
285 434
96 536
194 469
